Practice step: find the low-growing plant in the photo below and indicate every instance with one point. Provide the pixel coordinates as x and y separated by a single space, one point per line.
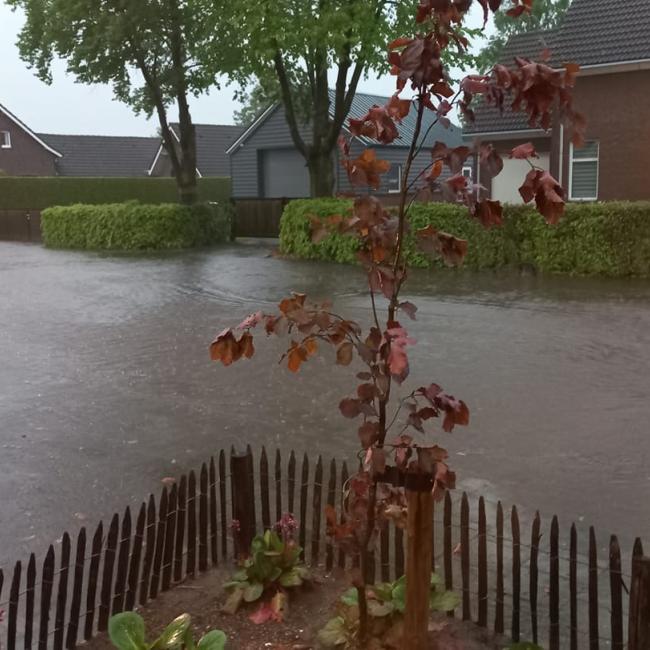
272 567
386 603
127 632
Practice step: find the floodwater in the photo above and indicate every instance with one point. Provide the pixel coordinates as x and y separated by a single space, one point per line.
106 386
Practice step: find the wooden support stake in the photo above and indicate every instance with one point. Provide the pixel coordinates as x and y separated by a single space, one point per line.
418 567
243 502
639 623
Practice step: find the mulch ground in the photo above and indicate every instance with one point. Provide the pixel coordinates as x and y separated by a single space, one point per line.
308 611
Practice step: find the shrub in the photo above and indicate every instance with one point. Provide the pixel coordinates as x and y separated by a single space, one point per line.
135 226
38 193
611 239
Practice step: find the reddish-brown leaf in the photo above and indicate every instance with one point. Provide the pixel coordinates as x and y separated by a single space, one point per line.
350 408
344 353
409 309
225 348
489 213
523 151
368 434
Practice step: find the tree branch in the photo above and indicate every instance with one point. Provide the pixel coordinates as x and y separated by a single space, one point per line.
287 100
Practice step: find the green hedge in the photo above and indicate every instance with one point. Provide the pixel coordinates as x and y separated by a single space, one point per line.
38 193
611 239
135 226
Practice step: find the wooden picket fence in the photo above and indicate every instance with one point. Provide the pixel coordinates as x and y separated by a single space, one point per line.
57 603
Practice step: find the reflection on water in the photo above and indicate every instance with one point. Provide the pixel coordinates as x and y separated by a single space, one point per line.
105 383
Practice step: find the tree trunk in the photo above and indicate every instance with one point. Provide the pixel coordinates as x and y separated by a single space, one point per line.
321 173
186 177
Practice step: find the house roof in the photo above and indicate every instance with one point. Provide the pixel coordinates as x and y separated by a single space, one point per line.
100 155
361 103
593 33
212 141
5 111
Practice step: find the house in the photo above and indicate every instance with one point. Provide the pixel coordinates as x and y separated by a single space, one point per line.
265 164
611 43
212 141
101 155
25 153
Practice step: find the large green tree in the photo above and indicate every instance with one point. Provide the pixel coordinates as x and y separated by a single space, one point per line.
545 14
289 46
154 53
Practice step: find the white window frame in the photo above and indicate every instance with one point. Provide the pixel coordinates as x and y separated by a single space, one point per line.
572 161
399 181
6 140
467 168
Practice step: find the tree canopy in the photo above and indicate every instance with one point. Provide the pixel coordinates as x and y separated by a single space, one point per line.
544 15
290 46
154 54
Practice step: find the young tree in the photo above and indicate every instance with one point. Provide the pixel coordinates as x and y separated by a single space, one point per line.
289 46
544 15
382 345
152 52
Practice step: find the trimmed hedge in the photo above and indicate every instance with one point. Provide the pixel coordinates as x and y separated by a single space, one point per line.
38 193
611 239
136 226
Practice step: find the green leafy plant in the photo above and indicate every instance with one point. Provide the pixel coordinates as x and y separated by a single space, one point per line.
135 226
127 632
608 239
386 606
273 567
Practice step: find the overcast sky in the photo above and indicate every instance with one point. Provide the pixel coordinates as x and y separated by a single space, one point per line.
69 107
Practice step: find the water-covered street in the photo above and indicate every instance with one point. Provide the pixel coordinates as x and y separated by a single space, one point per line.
106 385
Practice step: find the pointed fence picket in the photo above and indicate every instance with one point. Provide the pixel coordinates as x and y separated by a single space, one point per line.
553 589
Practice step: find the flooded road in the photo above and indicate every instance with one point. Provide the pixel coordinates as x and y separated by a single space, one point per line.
106 385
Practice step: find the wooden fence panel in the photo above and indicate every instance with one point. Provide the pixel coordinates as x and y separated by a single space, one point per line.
533 574
331 503
482 565
573 588
265 496
214 532
554 589
77 588
29 601
170 538
316 512
107 573
616 593
14 595
203 518
91 590
136 555
62 593
499 627
185 521
190 569
161 533
47 583
593 591
122 564
222 504
258 217
516 574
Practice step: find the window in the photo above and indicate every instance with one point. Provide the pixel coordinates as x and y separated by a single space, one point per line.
5 140
583 179
467 173
393 179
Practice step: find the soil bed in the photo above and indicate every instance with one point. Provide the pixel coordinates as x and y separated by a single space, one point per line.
308 611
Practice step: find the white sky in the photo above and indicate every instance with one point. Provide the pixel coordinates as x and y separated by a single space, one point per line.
69 107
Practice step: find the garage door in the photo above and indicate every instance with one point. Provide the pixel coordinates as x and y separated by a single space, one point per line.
505 187
285 174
